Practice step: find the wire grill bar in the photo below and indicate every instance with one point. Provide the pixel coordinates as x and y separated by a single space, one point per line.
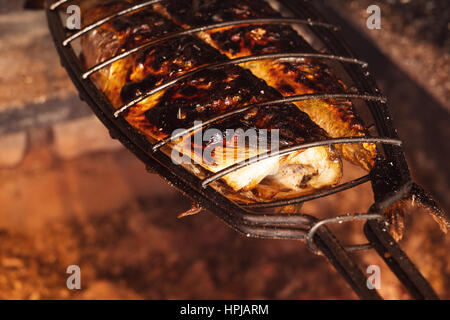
56 4
274 232
201 29
398 261
275 219
235 61
338 219
292 149
109 18
309 197
294 98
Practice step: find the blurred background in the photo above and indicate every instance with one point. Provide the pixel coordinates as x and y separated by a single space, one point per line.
69 194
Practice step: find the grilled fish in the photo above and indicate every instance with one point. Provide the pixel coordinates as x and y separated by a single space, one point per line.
202 93
290 77
201 96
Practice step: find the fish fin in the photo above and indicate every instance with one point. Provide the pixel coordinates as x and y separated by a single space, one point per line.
396 213
192 211
420 197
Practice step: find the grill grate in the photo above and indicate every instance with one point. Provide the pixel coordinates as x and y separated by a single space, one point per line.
388 186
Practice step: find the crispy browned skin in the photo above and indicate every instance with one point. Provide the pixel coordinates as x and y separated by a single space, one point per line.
201 96
301 76
206 94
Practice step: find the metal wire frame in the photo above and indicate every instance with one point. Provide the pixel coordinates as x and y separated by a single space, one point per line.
339 219
170 83
293 98
309 22
252 218
288 150
320 194
56 4
235 61
201 29
398 261
361 78
287 226
385 192
110 17
273 230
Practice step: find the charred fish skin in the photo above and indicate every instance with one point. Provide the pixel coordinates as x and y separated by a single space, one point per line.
213 92
300 76
146 69
205 94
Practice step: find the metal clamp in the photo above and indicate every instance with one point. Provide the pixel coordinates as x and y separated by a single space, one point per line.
340 219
